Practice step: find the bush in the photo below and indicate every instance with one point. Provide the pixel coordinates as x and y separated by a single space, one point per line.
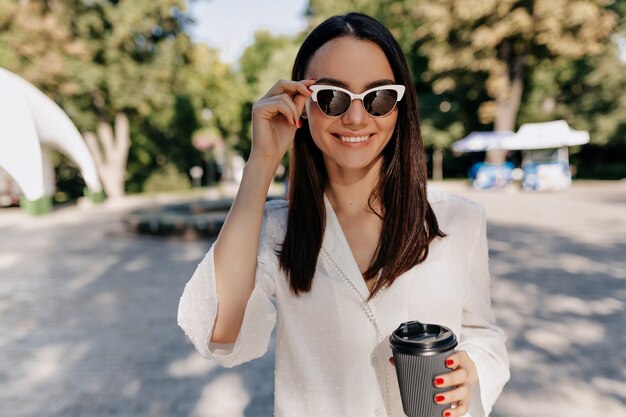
167 178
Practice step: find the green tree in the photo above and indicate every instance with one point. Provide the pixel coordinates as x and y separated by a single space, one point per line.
504 40
114 60
475 61
269 59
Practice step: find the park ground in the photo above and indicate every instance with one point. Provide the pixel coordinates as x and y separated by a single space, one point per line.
88 312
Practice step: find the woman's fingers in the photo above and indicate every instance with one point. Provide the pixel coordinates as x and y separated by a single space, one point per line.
300 99
450 379
290 87
289 102
294 95
273 106
461 359
452 396
462 407
453 361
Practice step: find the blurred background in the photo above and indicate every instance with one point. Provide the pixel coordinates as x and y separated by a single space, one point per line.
124 128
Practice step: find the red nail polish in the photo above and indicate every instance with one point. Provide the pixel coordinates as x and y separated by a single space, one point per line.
439 398
449 362
309 89
299 123
438 381
447 414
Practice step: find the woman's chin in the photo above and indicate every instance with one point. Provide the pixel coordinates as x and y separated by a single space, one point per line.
351 164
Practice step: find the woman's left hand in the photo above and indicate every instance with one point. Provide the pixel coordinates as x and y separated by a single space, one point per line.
463 377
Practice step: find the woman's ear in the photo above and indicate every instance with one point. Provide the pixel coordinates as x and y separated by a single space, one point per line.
304 110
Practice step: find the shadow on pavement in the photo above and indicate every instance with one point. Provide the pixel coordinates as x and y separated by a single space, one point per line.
562 304
88 327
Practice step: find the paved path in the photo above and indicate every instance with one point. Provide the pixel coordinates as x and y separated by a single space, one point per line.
88 328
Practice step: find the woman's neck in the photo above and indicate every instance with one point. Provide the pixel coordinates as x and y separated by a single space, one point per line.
348 190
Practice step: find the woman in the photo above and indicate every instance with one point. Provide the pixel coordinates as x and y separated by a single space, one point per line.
360 246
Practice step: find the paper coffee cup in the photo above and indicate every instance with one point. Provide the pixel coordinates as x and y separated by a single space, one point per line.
420 351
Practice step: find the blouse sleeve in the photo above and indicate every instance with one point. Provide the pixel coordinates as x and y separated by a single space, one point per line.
197 308
483 341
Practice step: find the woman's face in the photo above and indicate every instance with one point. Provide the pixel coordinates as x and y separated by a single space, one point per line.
354 65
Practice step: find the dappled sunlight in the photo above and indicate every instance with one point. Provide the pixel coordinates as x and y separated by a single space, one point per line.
42 367
137 264
191 366
45 365
558 337
194 253
521 301
225 396
610 386
7 260
560 303
528 247
23 328
547 340
88 272
4 305
131 388
105 299
559 398
525 358
90 326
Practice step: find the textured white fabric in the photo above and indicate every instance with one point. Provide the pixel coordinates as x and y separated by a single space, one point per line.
332 348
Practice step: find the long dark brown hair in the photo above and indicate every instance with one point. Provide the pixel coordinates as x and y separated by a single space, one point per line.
409 223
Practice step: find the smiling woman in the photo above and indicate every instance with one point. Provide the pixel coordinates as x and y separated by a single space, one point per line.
358 248
353 64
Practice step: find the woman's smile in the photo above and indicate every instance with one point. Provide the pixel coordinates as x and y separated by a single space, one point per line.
354 141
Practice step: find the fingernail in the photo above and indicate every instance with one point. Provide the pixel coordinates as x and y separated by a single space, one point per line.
439 398
438 381
447 414
299 123
309 89
449 362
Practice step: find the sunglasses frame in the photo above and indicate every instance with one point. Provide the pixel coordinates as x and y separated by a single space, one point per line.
399 89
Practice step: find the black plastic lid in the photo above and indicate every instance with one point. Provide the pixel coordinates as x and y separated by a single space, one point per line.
417 338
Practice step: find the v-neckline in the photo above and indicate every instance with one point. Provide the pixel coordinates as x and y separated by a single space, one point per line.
348 262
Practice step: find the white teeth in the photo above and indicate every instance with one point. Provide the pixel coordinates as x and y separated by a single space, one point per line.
354 139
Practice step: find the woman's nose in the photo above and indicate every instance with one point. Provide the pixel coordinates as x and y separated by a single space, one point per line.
356 114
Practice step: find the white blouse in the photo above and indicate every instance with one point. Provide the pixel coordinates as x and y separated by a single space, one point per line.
332 348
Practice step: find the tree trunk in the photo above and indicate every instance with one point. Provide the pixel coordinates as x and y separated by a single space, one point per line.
438 164
110 151
508 104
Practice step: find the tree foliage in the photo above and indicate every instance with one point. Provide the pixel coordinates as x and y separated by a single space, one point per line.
100 59
484 63
269 59
477 64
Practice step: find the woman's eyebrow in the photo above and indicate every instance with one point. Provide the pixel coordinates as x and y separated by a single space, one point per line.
331 81
378 83
341 84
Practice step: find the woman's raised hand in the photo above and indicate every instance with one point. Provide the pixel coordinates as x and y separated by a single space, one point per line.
275 118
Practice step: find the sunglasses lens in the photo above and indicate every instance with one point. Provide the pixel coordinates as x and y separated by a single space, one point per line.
333 102
380 102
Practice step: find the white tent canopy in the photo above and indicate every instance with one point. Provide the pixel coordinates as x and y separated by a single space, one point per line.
29 118
547 135
20 154
481 141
